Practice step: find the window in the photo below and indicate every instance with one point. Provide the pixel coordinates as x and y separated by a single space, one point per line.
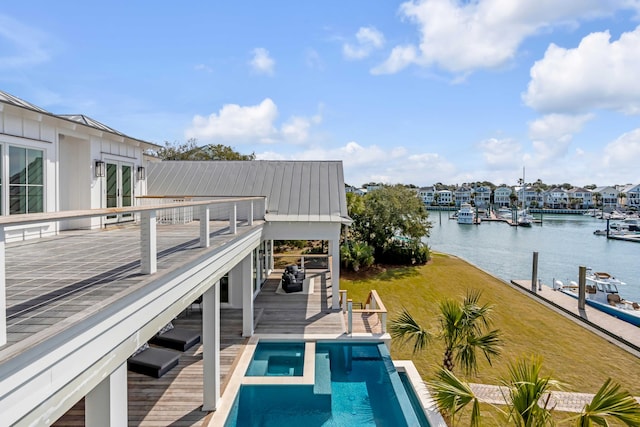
26 180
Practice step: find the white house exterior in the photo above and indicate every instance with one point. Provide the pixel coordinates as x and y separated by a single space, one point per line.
72 339
557 198
502 196
482 196
608 196
49 165
583 197
462 195
427 195
632 196
529 195
445 197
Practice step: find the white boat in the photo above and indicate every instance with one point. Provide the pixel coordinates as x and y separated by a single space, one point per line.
601 292
525 219
466 214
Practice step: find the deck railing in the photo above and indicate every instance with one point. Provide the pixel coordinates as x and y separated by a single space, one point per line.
373 305
148 218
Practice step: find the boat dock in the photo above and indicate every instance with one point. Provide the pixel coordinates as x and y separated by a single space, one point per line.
623 334
625 237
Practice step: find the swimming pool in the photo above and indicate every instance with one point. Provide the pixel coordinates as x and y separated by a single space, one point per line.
277 359
354 384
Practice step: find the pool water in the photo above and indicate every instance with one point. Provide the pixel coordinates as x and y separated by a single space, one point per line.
277 359
355 384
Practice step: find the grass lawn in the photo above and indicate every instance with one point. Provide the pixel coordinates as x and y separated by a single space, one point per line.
579 359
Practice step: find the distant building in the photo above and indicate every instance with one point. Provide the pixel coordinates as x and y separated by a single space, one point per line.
608 197
632 196
502 196
445 197
427 195
463 195
482 196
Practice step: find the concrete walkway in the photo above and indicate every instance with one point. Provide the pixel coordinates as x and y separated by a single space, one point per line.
559 400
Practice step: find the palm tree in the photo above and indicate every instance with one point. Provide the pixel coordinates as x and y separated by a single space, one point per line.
609 401
451 395
525 390
462 328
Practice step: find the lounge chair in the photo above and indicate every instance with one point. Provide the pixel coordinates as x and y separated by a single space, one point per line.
154 362
177 339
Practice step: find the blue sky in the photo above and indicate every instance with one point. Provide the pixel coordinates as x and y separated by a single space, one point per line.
402 92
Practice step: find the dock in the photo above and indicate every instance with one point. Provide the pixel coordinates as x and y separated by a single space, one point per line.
621 333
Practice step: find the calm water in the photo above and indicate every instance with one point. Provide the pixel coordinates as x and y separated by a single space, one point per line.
563 243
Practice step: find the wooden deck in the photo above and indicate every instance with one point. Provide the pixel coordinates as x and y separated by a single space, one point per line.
176 398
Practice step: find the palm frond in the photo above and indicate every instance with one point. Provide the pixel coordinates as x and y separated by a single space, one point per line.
451 395
610 401
526 388
406 329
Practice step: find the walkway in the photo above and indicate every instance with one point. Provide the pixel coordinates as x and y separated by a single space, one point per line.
617 331
558 400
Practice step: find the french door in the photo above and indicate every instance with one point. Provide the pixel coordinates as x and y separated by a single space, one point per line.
119 189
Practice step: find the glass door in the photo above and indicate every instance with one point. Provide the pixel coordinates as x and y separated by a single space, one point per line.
119 189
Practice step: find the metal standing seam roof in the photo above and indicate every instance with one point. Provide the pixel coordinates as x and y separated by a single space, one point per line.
77 118
295 190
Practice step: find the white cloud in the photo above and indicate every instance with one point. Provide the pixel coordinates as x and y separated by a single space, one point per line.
551 136
251 124
464 36
374 163
261 62
623 154
203 67
400 58
368 39
236 122
26 46
596 74
500 153
313 60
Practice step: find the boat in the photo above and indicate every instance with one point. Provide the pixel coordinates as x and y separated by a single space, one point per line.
465 214
525 219
601 292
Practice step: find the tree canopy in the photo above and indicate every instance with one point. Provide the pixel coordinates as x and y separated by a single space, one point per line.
392 220
191 151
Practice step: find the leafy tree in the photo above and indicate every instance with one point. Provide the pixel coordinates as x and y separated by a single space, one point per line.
190 151
381 216
356 255
462 328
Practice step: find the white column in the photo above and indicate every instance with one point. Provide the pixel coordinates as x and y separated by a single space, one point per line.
245 268
148 248
106 404
271 261
3 292
334 252
233 218
205 241
211 348
250 214
258 267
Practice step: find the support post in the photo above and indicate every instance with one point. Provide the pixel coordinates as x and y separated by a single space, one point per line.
250 214
148 248
211 348
245 268
233 219
334 268
106 404
534 273
343 300
205 241
582 283
349 316
3 292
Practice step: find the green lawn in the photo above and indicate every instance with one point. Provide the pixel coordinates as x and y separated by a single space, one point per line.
581 360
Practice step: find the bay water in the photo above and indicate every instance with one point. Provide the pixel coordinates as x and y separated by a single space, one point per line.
563 243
